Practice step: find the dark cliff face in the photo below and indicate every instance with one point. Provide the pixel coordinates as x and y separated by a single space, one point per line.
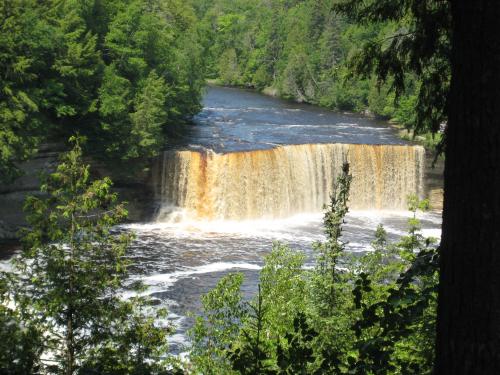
137 191
12 196
133 185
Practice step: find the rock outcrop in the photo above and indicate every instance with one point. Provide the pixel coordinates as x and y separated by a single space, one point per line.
137 193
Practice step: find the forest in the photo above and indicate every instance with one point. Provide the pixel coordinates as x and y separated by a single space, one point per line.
116 72
118 82
307 51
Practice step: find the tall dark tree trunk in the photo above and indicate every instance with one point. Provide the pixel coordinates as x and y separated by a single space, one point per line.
468 336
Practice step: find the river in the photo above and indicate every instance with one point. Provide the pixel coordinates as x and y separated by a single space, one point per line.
253 170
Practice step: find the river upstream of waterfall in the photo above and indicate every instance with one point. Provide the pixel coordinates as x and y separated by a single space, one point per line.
254 170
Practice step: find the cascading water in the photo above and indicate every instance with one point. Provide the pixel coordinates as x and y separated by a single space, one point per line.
285 180
271 169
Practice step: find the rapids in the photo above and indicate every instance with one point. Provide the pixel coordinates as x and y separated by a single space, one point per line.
254 170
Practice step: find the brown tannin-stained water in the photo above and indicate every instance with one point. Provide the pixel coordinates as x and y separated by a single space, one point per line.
254 170
285 180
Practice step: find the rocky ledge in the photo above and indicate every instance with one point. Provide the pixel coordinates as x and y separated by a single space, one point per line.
138 193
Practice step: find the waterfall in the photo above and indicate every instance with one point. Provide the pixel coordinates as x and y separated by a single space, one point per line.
285 180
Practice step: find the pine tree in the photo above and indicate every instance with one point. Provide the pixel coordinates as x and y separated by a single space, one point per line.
71 273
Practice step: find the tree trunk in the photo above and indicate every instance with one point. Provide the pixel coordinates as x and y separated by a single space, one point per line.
70 349
468 332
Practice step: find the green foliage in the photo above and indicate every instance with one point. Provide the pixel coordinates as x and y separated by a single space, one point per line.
149 81
149 117
249 355
308 50
298 354
368 314
69 278
214 333
396 331
118 72
228 67
283 285
21 342
329 252
416 40
22 41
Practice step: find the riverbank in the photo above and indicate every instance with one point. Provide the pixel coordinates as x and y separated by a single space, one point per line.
232 120
428 140
135 190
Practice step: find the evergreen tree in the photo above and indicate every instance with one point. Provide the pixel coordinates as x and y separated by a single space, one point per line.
416 40
70 277
149 117
24 42
436 40
20 341
468 334
69 66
